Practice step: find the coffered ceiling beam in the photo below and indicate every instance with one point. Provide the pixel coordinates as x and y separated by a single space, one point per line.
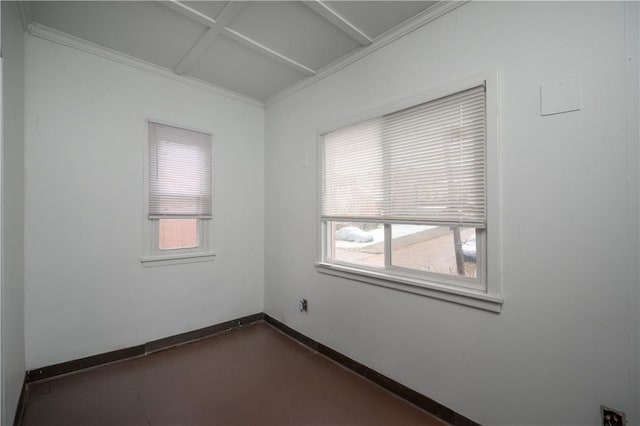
219 26
227 14
338 21
189 12
267 51
197 50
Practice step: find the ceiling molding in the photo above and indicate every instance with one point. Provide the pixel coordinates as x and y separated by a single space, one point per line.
50 34
227 14
267 52
434 12
25 14
338 21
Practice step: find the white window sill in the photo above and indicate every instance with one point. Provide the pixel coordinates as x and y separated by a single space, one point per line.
459 295
176 259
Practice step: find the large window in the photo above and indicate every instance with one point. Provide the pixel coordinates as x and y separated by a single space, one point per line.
179 184
403 196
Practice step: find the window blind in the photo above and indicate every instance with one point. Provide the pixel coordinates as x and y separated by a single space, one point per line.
179 172
425 163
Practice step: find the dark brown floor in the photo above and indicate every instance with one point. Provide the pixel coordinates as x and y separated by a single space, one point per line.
253 375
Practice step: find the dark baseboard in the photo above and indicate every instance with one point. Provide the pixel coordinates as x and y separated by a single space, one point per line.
399 389
83 363
135 351
22 403
190 336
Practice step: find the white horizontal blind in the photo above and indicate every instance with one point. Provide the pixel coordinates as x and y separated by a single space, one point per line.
179 172
425 164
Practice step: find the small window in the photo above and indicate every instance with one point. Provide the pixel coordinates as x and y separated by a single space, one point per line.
403 196
179 181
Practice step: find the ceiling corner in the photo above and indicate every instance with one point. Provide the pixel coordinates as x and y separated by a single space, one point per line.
26 14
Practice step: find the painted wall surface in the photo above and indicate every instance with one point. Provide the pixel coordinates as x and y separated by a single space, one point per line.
86 290
567 338
632 31
13 347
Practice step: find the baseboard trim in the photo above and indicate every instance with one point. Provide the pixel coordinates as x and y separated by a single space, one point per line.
67 367
191 336
391 385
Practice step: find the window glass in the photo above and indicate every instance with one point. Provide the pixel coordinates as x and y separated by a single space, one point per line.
357 242
177 234
438 249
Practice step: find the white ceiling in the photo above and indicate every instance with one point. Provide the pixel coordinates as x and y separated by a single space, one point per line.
254 48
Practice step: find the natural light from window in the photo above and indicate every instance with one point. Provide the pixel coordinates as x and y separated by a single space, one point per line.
437 249
176 234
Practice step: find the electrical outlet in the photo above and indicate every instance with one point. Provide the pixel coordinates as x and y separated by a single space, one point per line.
612 417
303 305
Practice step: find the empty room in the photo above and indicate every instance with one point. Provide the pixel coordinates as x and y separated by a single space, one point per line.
320 213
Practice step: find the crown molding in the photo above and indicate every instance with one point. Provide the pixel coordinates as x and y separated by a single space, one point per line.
50 34
434 12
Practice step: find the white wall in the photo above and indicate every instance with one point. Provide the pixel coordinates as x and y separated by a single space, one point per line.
86 290
567 338
632 30
12 210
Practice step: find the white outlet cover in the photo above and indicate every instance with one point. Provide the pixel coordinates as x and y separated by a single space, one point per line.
564 95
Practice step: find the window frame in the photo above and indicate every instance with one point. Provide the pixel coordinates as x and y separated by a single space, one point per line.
153 255
486 294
